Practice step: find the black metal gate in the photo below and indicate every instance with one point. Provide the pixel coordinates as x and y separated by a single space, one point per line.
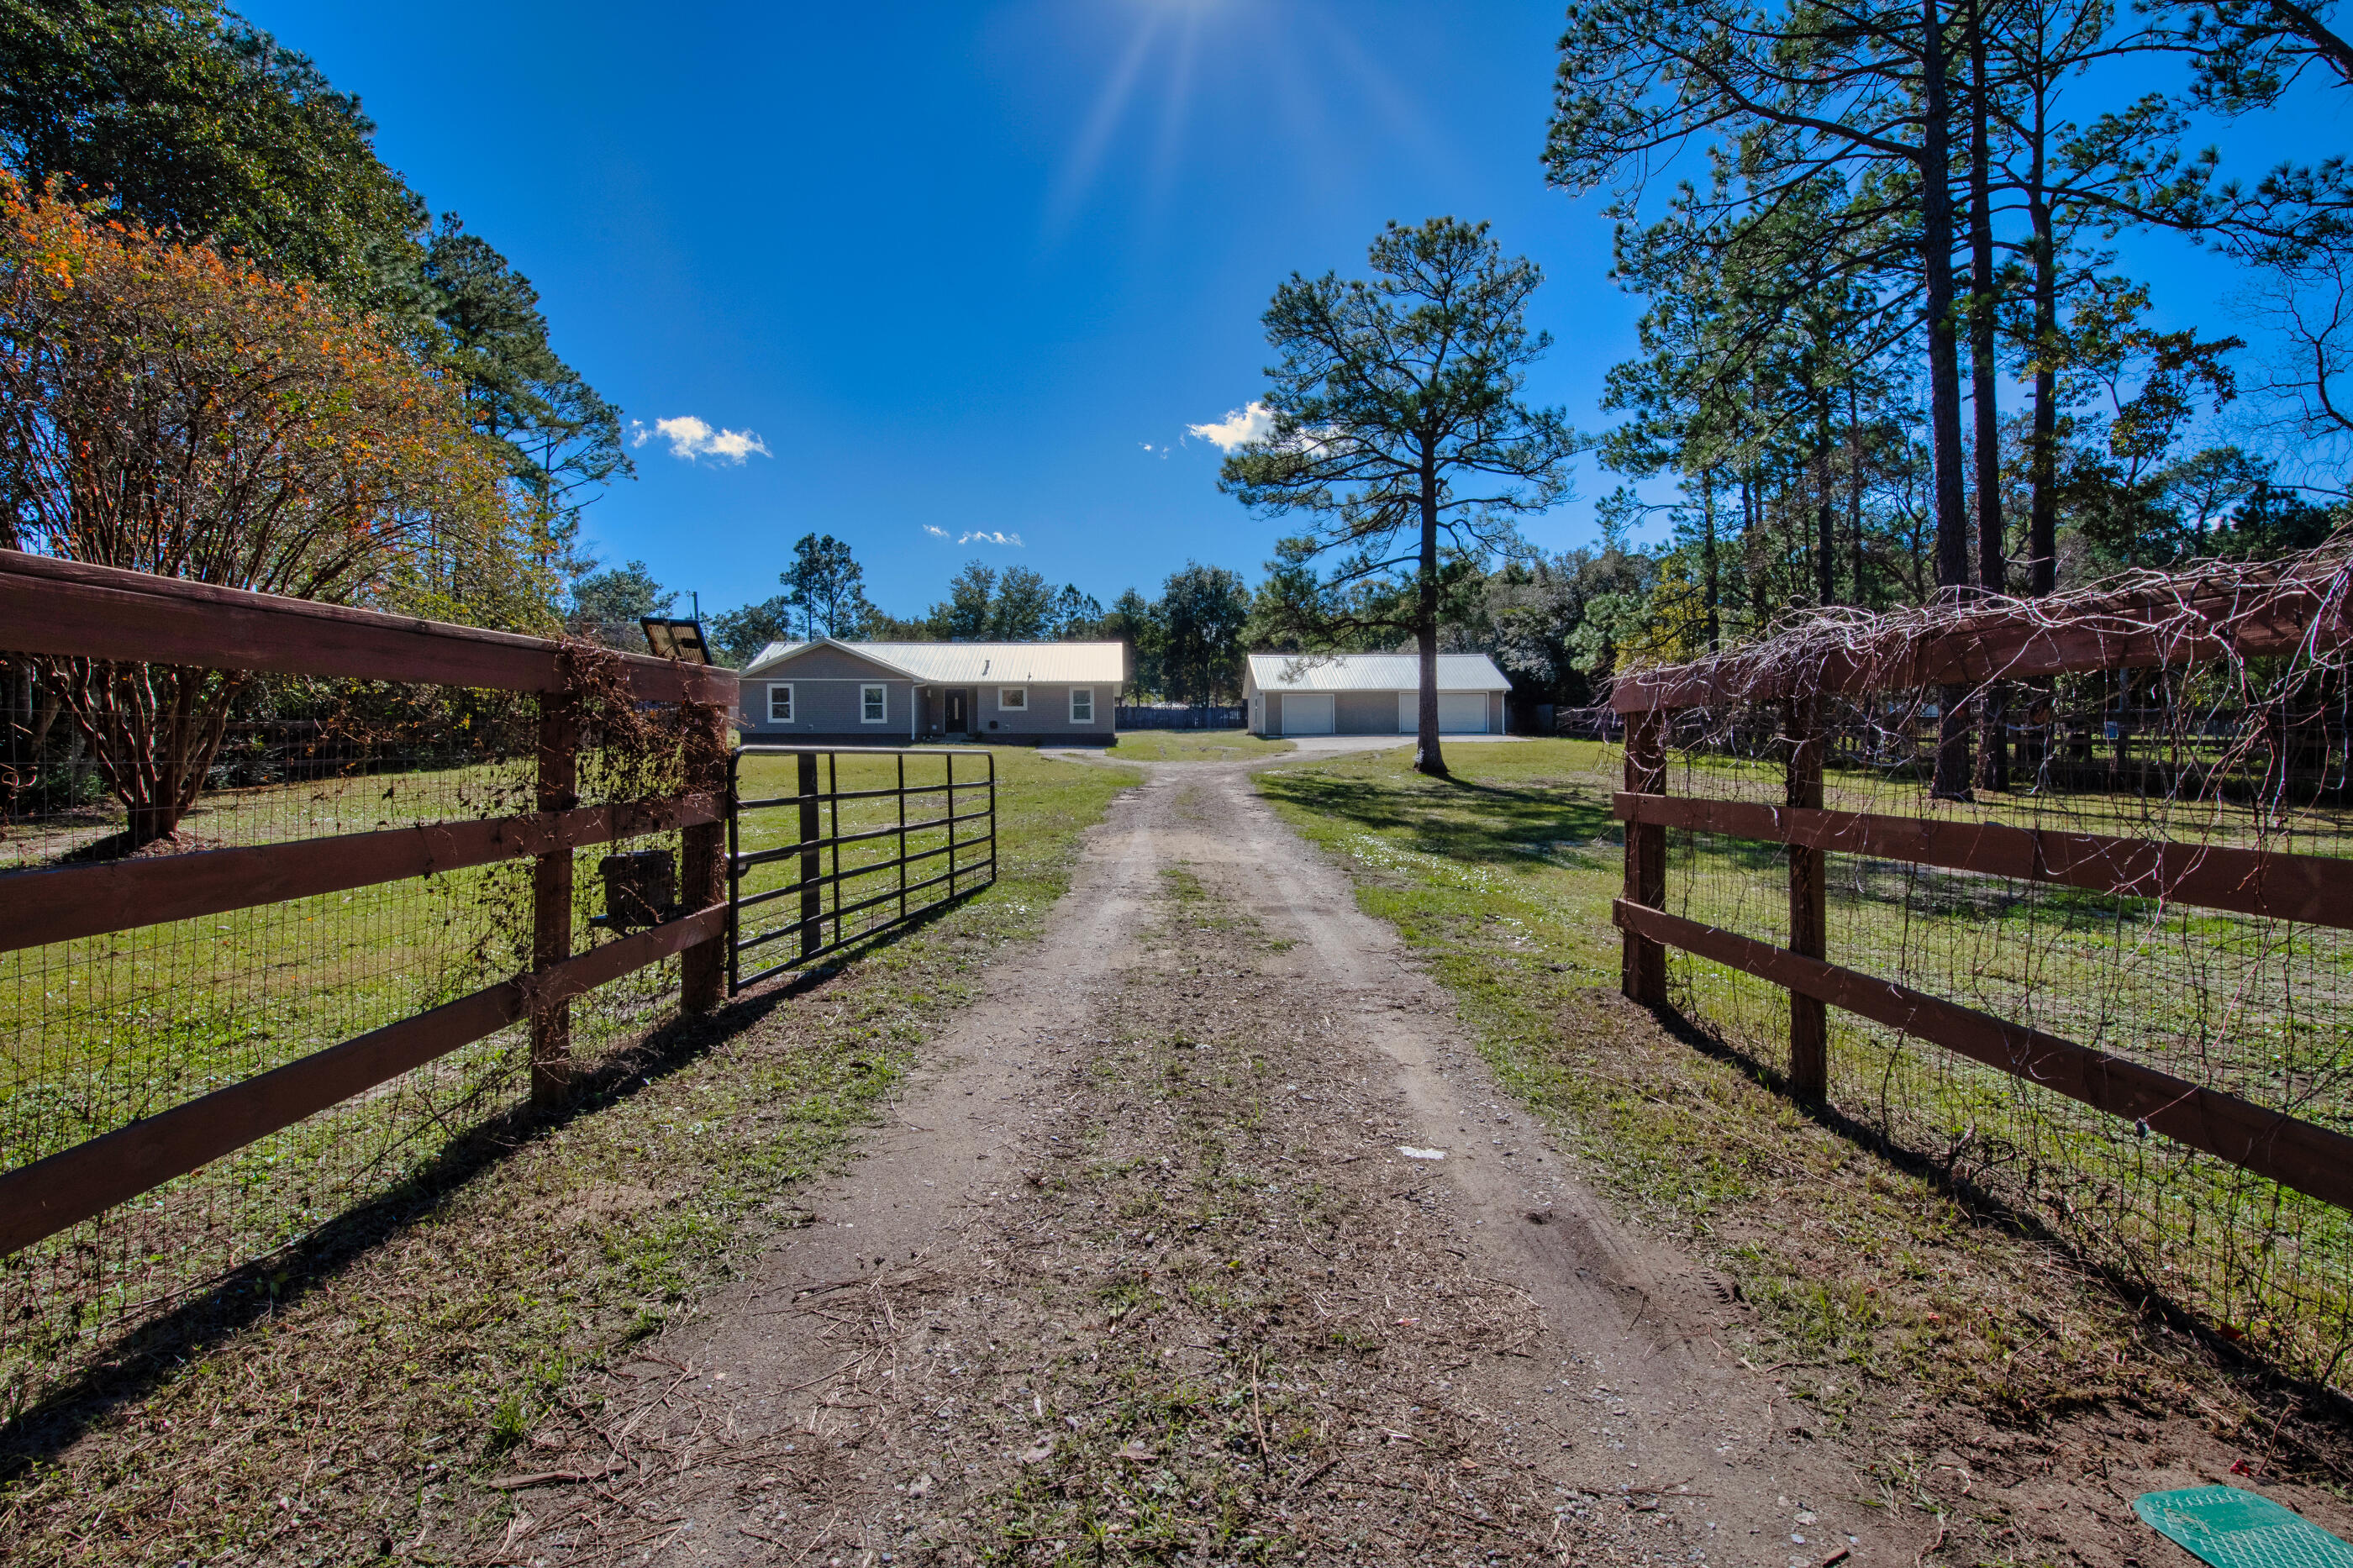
802 867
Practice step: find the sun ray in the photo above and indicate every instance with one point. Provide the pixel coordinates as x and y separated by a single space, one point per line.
1168 151
1102 122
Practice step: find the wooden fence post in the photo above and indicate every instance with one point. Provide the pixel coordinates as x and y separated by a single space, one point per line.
551 896
812 859
701 880
1808 931
1643 972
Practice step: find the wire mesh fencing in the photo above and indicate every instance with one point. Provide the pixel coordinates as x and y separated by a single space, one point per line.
122 1025
2140 861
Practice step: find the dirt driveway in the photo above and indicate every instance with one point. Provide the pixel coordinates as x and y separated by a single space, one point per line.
1207 1237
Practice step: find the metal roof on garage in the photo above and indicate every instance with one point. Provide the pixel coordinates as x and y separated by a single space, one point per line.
992 663
1372 672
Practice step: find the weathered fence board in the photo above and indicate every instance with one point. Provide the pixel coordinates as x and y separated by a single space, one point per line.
63 903
2271 1144
72 609
76 1184
1644 962
2315 889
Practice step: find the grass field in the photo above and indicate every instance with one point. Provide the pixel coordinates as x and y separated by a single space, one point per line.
1192 746
1503 878
461 1256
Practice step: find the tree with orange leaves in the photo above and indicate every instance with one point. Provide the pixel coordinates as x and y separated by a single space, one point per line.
169 409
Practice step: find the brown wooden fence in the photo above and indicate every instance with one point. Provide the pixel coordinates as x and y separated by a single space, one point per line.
1973 654
67 609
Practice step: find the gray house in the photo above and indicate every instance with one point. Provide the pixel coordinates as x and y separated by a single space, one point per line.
885 693
1370 694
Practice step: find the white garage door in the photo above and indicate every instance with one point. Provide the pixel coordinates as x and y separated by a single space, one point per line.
1459 713
1307 714
1462 712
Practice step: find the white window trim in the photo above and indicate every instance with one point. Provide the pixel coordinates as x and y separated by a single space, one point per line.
883 715
1013 699
786 687
1089 693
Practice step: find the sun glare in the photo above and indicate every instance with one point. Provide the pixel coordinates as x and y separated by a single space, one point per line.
1293 71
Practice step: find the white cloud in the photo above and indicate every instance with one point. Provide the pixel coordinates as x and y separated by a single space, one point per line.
691 439
935 533
734 444
982 536
1238 428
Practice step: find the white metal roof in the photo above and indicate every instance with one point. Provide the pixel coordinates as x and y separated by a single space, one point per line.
1372 672
978 663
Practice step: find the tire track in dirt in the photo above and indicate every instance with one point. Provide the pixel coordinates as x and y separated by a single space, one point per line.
1143 1269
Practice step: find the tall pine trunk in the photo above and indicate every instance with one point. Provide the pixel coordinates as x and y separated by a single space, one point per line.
1854 490
1825 507
1710 572
1951 780
1993 749
1427 758
2042 461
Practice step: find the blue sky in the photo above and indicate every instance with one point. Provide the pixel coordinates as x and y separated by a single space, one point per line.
970 270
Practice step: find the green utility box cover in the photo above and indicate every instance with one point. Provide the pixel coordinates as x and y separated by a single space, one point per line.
2231 1528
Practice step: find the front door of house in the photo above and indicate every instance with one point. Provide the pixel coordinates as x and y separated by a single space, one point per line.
955 723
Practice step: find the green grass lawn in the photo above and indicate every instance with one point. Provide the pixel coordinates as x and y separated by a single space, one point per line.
108 1029
1504 877
1192 746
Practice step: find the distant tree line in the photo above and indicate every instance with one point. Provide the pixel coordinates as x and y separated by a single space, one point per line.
1186 646
1555 624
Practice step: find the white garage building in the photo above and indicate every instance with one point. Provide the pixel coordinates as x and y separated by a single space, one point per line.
1370 694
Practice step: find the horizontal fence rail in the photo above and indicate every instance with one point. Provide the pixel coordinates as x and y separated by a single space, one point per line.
68 610
2315 889
2309 889
72 609
2312 1159
59 905
921 862
43 1198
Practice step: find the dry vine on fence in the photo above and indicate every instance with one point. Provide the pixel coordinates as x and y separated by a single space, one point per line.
2207 710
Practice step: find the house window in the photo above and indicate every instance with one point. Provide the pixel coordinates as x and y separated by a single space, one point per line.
780 705
1082 704
1013 699
873 702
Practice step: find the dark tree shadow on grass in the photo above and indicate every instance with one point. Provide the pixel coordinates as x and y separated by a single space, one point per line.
1501 824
